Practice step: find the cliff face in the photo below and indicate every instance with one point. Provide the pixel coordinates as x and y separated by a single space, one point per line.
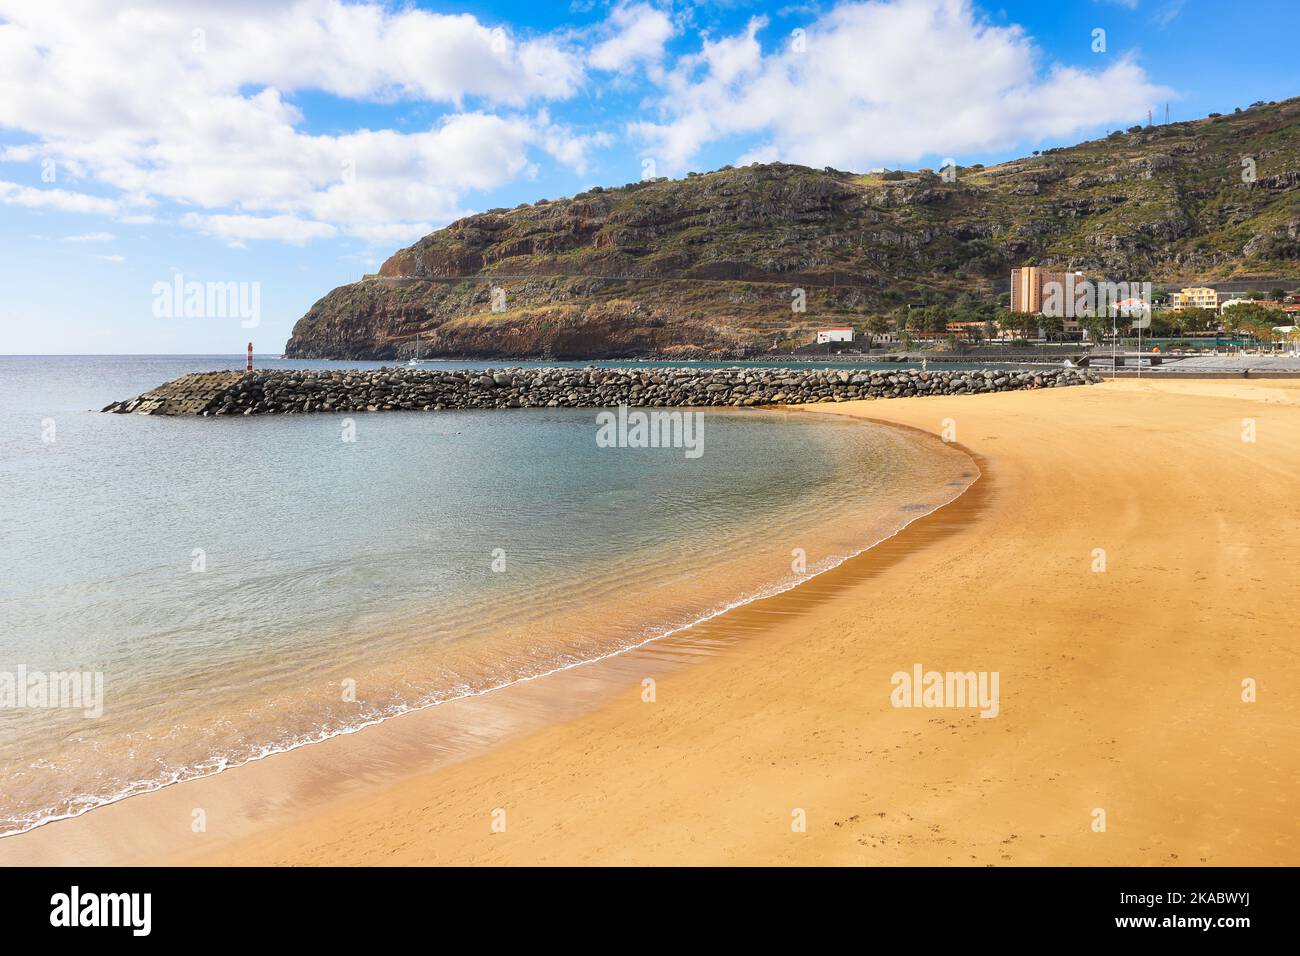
706 265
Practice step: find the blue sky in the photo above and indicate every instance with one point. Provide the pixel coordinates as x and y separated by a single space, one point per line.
291 147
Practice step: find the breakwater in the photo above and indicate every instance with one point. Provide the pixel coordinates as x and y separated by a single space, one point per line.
299 391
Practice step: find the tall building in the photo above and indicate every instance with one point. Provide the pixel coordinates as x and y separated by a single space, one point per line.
1027 287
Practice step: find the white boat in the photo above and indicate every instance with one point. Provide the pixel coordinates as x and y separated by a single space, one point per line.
417 361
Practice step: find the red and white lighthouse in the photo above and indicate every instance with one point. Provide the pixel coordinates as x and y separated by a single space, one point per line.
249 366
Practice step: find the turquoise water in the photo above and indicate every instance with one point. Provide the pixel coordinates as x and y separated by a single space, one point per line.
244 586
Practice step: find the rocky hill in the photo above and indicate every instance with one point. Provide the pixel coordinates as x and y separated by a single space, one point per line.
708 265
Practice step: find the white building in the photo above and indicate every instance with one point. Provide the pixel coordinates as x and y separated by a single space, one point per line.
1236 301
838 334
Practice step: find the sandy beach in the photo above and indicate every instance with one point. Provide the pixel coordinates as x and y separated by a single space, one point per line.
1126 561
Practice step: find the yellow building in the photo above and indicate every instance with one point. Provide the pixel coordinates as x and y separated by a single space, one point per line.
1194 298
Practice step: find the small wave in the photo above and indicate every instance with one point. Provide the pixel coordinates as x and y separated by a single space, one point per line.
81 804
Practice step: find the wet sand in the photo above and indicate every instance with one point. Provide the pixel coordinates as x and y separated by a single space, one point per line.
1121 690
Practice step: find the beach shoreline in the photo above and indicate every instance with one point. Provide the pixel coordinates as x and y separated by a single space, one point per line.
799 720
412 741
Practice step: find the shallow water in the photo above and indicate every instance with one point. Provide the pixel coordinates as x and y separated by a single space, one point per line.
248 585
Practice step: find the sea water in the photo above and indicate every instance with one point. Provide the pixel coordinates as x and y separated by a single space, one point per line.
240 586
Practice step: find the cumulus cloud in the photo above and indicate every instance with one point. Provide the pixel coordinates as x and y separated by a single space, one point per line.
638 35
885 83
192 104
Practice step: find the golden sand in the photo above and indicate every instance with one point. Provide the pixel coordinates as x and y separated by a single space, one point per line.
1120 690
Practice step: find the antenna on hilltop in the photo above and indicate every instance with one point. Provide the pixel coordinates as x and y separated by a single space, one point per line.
1166 113
1148 117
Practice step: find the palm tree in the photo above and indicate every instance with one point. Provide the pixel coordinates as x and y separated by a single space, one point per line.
1232 319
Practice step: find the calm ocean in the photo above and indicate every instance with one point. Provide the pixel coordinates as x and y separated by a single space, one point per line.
242 586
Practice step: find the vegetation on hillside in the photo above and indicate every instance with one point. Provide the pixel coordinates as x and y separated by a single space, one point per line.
710 264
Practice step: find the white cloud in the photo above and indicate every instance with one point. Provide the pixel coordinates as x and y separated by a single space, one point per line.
112 258
885 83
394 234
236 228
564 145
356 51
61 200
91 237
192 111
190 104
639 34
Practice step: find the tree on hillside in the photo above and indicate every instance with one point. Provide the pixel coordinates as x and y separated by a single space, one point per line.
1052 325
966 303
877 325
936 319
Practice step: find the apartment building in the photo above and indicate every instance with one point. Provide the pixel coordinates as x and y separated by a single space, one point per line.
1200 297
1027 285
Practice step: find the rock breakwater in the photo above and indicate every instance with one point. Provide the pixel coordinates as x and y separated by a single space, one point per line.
300 391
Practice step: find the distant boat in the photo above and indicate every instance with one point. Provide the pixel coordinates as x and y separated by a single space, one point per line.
417 361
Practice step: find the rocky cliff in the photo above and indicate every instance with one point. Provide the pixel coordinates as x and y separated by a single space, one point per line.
708 265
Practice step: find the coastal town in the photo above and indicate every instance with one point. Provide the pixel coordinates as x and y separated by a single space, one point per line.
1045 305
